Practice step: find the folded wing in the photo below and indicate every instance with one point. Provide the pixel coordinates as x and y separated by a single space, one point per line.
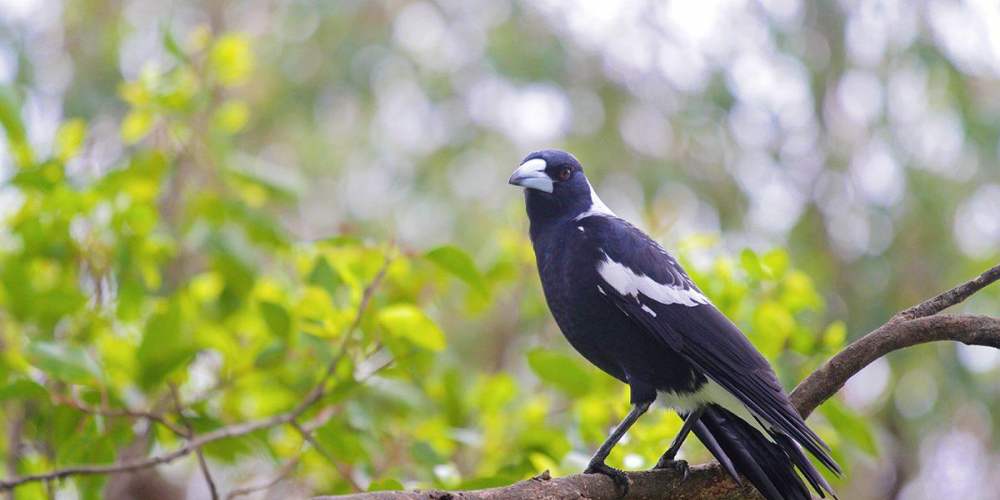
648 284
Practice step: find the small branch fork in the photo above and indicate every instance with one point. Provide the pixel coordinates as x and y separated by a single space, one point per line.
194 443
202 463
118 413
916 325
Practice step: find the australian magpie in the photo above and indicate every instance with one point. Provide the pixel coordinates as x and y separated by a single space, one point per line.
629 307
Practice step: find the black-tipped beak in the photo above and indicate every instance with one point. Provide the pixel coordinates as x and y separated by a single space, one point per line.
531 174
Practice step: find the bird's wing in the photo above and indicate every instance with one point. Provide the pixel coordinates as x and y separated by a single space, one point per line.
651 287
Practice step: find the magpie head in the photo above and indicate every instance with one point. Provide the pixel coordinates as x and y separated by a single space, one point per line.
555 186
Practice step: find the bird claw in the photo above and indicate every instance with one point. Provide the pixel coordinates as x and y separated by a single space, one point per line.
678 465
619 477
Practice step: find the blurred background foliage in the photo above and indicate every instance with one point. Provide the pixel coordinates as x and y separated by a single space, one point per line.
196 195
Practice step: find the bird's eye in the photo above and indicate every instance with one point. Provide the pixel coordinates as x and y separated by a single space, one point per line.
565 173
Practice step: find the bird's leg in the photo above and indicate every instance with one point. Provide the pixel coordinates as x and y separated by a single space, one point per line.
602 453
667 460
597 464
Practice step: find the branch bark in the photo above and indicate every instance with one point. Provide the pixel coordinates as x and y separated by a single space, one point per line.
829 378
916 325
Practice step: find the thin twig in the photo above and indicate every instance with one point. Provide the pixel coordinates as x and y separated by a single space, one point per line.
947 299
15 427
229 431
283 472
366 296
308 437
202 463
321 418
341 468
117 413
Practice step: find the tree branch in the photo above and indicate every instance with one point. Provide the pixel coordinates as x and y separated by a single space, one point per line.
202 463
703 482
286 469
283 472
916 325
231 431
117 413
947 299
829 378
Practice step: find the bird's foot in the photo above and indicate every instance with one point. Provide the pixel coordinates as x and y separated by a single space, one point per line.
669 464
619 477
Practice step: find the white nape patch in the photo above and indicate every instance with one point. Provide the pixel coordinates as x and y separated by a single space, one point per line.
599 289
648 310
711 393
628 282
597 207
580 228
531 174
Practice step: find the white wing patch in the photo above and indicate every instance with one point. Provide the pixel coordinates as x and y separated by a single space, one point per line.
648 310
627 282
597 207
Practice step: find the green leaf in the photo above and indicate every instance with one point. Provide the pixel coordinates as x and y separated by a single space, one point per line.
560 370
277 318
170 43
751 264
10 120
324 276
226 450
63 361
773 324
231 59
385 484
271 356
407 321
70 138
260 181
341 441
835 335
777 262
851 426
341 240
423 453
457 262
136 125
21 388
494 391
231 116
166 345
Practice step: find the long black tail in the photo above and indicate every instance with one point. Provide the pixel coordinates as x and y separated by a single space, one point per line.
769 464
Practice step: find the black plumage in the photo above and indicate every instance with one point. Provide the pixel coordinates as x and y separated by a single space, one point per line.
629 307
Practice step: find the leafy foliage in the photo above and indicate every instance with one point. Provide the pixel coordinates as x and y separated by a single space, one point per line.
171 269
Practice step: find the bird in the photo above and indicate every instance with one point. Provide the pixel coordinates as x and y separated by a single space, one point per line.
627 306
